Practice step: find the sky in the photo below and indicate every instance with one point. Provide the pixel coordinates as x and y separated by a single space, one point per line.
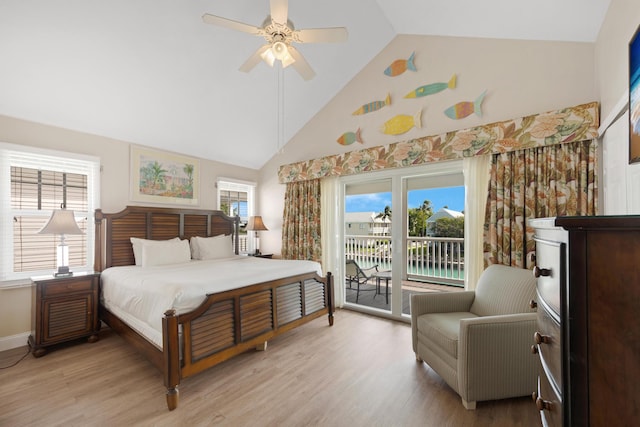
452 197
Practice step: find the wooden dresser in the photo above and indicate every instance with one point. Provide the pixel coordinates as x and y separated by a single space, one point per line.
588 338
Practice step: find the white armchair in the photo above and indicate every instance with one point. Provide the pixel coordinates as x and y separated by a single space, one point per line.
480 341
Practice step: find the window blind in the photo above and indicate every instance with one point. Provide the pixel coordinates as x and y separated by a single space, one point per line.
34 182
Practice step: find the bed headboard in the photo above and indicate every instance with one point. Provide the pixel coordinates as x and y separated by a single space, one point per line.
113 247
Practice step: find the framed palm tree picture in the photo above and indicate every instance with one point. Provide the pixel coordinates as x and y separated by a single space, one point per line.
634 98
163 177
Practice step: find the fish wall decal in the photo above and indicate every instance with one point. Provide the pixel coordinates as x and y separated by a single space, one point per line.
372 106
349 138
432 88
399 66
402 123
466 108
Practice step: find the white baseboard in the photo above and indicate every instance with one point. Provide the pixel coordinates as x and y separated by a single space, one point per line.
14 341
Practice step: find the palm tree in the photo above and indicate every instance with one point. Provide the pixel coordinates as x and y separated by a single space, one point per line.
427 207
157 175
188 170
386 214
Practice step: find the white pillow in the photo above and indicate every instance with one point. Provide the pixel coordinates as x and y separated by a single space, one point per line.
137 244
165 252
211 247
195 244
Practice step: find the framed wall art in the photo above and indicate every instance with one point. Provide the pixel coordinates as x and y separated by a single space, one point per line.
634 98
163 177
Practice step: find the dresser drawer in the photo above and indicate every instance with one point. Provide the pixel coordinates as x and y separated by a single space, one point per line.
548 341
65 286
549 273
548 403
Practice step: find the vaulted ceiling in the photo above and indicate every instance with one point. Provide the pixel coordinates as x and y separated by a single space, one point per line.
152 73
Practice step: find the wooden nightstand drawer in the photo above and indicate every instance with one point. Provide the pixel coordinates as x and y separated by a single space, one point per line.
67 285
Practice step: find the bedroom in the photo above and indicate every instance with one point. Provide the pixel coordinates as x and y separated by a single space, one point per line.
586 72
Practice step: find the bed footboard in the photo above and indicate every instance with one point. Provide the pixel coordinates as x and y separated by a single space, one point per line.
232 322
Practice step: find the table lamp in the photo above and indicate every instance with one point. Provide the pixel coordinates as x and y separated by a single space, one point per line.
255 224
61 222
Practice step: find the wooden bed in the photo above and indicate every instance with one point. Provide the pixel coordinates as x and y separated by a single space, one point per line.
226 323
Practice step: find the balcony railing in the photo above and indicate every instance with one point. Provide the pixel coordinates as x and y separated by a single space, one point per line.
429 259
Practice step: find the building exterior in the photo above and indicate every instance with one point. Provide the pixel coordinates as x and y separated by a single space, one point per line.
442 213
366 224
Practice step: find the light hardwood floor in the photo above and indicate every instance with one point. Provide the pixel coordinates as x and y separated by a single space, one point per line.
360 372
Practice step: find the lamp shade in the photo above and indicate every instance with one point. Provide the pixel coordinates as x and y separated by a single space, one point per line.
62 221
255 224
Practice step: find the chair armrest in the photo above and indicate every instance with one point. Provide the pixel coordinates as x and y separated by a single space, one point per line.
369 269
494 356
441 302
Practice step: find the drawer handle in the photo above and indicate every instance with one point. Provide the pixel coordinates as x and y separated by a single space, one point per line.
537 272
541 339
543 405
533 304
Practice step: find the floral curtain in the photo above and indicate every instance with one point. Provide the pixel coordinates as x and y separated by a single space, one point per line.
550 181
301 237
571 124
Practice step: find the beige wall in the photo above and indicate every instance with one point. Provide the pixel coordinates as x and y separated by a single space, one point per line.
521 78
620 180
612 51
15 309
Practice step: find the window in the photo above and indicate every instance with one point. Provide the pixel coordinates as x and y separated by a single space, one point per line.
34 183
236 198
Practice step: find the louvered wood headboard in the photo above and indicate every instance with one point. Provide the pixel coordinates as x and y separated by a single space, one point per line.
112 244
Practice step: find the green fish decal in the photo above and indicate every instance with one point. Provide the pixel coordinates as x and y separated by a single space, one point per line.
349 138
432 89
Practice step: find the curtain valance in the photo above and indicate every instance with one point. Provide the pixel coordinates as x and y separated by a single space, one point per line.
572 124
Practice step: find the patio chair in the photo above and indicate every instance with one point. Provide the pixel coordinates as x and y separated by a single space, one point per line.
360 276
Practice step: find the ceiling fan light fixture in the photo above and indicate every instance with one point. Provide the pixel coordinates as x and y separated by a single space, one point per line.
280 50
268 57
287 60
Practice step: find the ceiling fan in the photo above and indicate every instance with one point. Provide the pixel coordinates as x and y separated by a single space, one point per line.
280 33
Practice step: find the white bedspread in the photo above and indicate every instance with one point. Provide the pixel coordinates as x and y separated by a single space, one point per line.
141 295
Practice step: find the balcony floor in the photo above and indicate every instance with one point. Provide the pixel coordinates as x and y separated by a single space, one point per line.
370 298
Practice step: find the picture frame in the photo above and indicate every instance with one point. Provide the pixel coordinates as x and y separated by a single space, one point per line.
634 98
164 177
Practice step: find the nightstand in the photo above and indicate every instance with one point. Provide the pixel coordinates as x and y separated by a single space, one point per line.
64 309
262 255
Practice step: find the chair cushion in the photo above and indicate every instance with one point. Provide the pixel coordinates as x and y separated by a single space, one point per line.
443 329
504 290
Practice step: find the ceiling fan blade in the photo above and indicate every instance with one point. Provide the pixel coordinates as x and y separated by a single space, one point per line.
301 65
230 23
254 59
322 35
279 11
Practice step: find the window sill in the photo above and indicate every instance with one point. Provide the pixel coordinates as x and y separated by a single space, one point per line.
15 284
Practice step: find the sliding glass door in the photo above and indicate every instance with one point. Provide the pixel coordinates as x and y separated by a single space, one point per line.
367 242
402 234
